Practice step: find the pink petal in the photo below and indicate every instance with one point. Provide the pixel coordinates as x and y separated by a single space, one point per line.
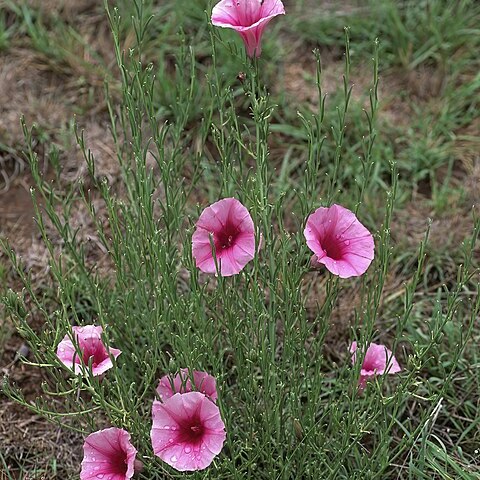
375 361
339 241
353 350
381 360
91 347
249 18
204 383
108 454
187 431
342 268
66 352
229 263
229 226
106 364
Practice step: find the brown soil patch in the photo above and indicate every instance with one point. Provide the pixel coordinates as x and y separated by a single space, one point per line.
300 79
447 230
33 92
16 212
299 86
38 449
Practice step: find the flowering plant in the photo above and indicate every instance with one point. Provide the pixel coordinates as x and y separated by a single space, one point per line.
185 325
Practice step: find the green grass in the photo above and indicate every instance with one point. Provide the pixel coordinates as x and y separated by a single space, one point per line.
186 133
5 328
413 33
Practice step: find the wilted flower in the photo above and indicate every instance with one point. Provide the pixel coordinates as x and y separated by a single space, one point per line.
339 241
92 350
108 455
181 383
187 431
228 225
249 18
378 361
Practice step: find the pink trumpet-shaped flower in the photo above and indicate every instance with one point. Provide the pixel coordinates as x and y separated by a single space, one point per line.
108 455
378 361
181 383
339 241
228 225
249 18
90 344
187 431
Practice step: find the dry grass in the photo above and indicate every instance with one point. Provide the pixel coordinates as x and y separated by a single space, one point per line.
34 448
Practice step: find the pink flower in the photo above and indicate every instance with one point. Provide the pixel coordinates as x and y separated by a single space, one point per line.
339 241
249 18
181 383
108 454
187 431
229 226
378 361
90 344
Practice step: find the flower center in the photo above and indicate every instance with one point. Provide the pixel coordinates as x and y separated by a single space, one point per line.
192 432
332 248
94 363
94 353
248 12
115 463
196 431
226 238
121 464
124 468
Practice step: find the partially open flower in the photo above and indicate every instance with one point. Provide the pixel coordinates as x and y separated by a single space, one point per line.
378 361
247 17
229 227
187 431
339 241
181 383
108 455
92 350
